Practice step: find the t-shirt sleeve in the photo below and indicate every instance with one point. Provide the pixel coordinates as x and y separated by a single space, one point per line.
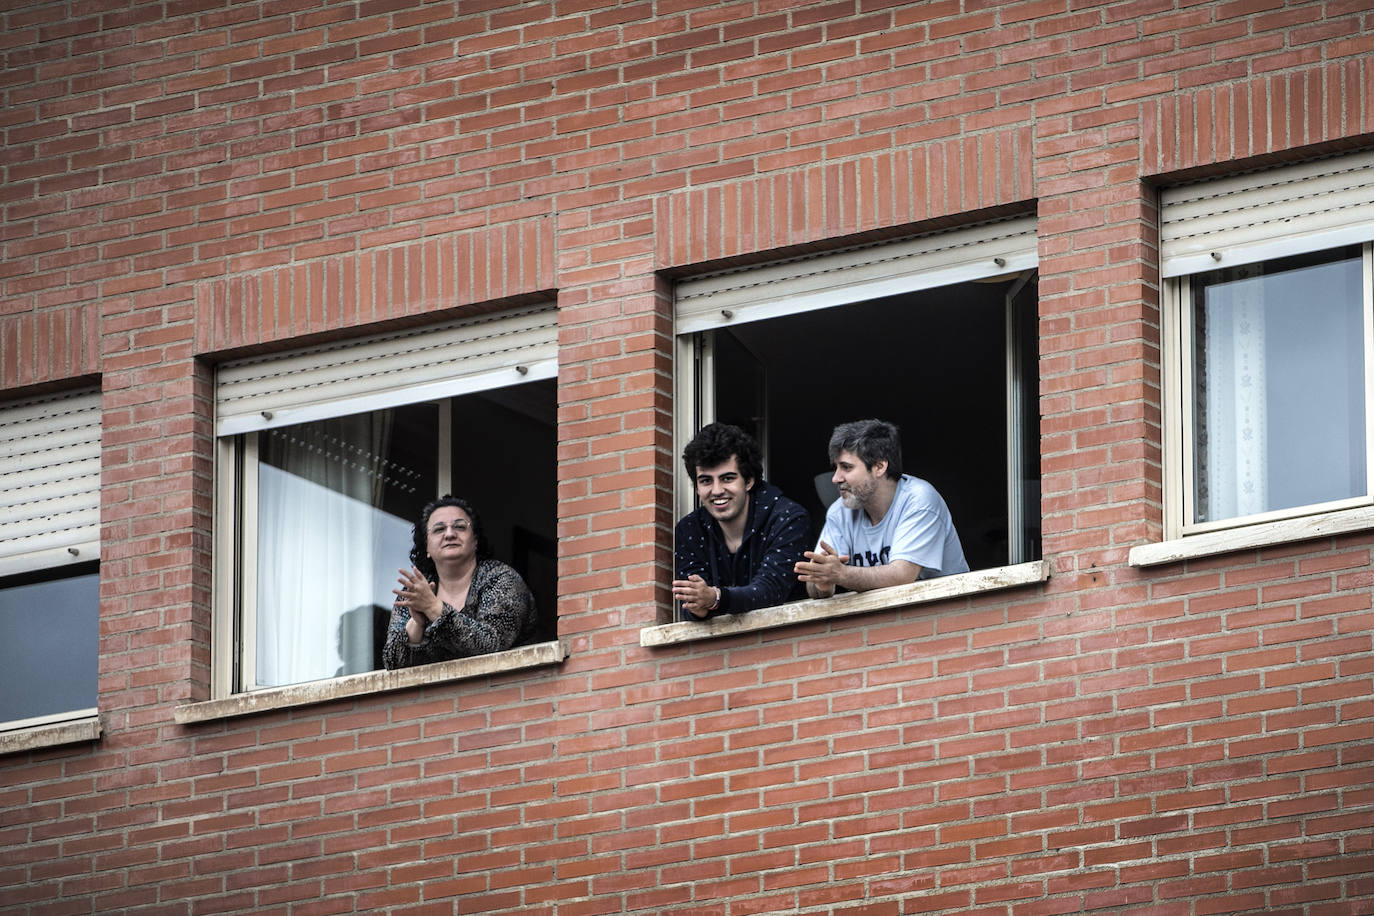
919 538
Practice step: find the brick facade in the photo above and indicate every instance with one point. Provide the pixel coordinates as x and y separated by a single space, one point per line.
188 182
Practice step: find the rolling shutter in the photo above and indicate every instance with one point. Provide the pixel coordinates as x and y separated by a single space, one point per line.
855 275
387 370
1243 219
49 481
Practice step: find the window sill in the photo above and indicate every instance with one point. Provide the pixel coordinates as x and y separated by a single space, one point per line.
1251 537
962 585
370 682
73 731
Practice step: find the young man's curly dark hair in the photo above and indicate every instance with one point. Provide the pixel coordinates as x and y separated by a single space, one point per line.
714 445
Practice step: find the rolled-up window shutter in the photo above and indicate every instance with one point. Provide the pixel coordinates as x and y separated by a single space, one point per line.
855 275
49 481
387 370
1244 219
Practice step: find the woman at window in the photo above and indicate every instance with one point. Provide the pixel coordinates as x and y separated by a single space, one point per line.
455 601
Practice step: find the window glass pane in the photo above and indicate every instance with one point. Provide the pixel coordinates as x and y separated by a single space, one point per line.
336 501
1278 377
934 362
48 645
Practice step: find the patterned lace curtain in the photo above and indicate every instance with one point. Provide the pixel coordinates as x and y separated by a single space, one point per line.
326 552
1233 480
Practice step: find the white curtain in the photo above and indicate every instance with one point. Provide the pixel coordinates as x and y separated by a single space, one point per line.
1235 479
327 556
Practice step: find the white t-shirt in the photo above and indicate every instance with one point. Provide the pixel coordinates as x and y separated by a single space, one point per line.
917 528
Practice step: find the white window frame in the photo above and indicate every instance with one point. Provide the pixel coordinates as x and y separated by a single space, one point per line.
1003 250
996 250
50 520
431 363
239 489
1262 216
1180 417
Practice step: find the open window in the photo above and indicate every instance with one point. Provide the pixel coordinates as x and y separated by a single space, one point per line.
326 457
1269 329
49 561
936 334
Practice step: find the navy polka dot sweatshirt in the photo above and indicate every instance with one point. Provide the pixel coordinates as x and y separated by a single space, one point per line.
760 573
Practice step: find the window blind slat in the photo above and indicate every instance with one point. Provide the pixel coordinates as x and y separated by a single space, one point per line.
1243 219
49 481
386 370
856 275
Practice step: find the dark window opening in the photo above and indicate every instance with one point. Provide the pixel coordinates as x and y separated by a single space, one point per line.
935 362
505 453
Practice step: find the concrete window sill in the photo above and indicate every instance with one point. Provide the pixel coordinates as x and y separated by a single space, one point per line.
370 682
962 585
53 734
1253 537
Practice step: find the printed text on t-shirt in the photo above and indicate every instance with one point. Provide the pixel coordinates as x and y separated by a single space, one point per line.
869 558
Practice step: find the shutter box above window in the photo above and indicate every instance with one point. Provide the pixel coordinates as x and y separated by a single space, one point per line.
856 275
49 482
386 370
1244 219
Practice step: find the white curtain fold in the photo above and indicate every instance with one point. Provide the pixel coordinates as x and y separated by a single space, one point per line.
327 555
1236 478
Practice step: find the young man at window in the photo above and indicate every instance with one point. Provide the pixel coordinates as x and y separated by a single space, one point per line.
887 528
735 552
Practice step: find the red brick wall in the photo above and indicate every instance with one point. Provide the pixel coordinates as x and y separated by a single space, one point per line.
186 182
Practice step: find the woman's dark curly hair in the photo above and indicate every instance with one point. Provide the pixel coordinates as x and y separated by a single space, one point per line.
419 555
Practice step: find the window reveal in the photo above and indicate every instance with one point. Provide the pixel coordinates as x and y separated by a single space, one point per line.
1268 324
937 335
314 517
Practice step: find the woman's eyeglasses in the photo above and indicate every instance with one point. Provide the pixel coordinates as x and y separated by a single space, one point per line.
458 527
